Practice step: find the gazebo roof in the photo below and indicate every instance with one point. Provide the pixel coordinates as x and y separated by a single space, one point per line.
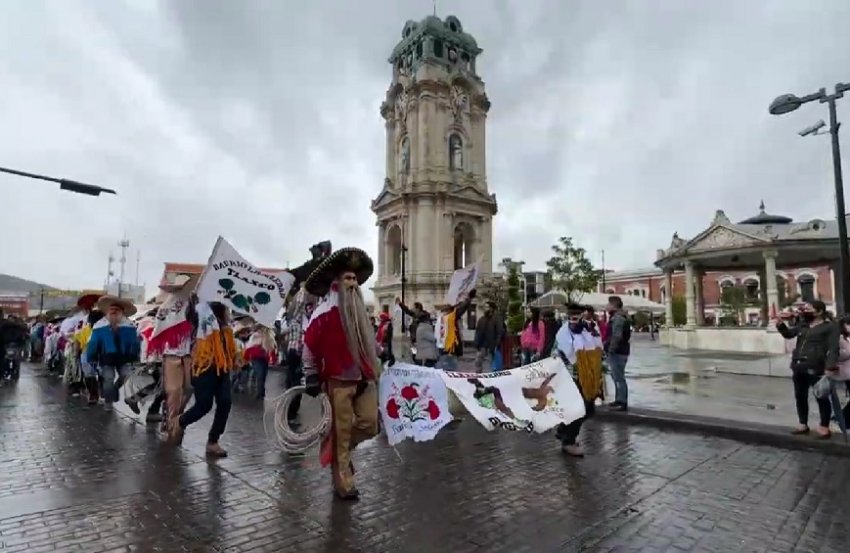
764 218
728 245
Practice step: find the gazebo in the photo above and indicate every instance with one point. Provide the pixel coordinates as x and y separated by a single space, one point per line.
763 243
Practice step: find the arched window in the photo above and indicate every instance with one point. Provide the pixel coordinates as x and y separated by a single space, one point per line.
752 287
394 245
807 285
463 238
663 293
455 152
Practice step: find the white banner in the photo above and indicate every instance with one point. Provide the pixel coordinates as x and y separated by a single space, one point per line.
414 403
462 283
230 279
534 397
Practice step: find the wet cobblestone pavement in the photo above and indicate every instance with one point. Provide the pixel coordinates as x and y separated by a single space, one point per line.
79 479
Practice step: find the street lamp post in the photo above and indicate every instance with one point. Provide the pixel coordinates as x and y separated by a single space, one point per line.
64 184
788 103
403 284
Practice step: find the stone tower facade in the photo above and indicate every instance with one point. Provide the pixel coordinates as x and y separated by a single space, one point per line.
434 213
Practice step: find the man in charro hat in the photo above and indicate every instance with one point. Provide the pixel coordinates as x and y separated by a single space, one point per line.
339 356
172 339
114 345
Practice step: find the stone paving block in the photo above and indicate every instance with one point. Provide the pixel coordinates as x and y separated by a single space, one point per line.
80 479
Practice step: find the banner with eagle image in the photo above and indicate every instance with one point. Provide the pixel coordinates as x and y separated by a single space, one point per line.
535 397
230 279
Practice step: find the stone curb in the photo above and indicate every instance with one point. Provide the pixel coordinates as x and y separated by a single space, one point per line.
725 428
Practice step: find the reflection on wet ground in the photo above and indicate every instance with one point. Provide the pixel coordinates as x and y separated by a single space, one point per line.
83 480
703 383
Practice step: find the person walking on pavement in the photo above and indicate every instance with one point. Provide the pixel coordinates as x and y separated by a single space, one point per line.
581 353
213 359
618 348
815 353
171 339
415 315
843 373
384 338
114 345
340 357
489 331
259 352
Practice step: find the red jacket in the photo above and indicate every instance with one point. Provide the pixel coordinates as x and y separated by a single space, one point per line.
326 349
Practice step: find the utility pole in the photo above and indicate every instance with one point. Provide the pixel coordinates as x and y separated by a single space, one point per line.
41 302
603 271
124 244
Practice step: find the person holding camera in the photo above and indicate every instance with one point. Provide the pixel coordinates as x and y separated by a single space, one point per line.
815 353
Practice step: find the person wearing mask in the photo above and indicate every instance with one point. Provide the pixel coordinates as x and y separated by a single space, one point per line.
426 342
815 353
532 340
213 359
114 345
580 351
618 348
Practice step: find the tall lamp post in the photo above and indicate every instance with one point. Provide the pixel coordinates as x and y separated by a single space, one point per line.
64 184
403 282
788 103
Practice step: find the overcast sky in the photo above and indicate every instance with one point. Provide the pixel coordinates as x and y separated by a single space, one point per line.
615 122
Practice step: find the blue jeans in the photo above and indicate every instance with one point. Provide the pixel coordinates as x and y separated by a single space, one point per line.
261 370
447 362
111 388
617 364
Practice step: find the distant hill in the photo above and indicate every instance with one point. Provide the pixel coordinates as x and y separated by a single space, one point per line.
9 283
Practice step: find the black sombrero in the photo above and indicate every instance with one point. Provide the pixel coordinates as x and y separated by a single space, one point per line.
346 259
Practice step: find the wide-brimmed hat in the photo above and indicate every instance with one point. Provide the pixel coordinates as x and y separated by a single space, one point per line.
179 282
242 325
88 298
105 302
347 259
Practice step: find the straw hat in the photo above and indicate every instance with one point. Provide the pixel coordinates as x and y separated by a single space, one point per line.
105 302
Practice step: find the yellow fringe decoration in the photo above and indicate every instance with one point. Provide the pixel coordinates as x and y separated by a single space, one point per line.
451 333
210 351
589 369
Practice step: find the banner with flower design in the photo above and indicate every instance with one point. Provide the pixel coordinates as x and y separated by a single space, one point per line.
414 403
535 397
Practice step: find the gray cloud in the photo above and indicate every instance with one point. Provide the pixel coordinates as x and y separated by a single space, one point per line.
616 123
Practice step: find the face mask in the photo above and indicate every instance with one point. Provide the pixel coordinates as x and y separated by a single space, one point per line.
808 316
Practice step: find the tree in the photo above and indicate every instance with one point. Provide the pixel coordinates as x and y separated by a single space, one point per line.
733 302
680 311
515 319
571 270
494 289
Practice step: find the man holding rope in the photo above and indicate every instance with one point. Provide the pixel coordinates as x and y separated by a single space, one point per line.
339 357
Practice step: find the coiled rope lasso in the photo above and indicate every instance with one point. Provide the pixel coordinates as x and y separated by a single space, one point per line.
278 430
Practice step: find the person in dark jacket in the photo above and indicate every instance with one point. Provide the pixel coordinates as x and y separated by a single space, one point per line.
815 353
618 347
489 331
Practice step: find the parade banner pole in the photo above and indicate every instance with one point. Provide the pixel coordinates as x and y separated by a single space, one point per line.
209 262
